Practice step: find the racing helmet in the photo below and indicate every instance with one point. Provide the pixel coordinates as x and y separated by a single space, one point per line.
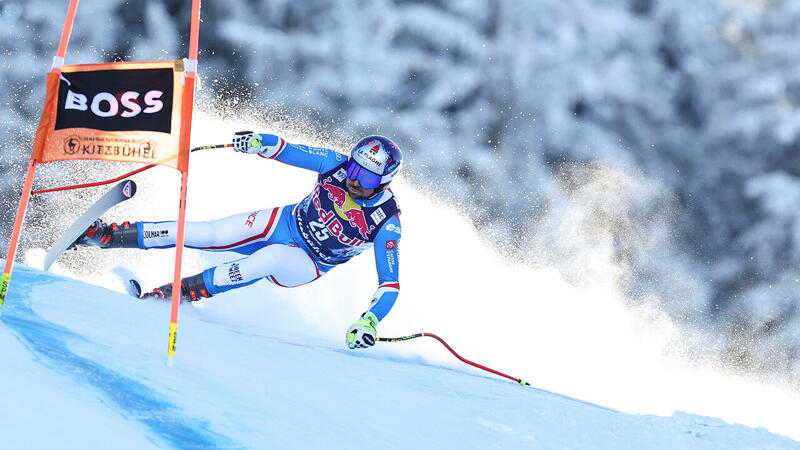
373 161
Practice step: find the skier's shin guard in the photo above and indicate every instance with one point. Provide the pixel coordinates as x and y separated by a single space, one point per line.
195 287
123 236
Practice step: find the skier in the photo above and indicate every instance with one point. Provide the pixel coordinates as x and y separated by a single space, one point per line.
349 210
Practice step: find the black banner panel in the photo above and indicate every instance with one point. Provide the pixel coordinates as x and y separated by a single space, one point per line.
116 100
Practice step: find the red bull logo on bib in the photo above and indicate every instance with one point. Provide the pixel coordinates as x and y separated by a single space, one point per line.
346 208
334 226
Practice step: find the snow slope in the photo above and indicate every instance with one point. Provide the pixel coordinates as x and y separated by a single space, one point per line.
83 367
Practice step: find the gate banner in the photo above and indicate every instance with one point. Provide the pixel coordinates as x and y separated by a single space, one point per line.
115 112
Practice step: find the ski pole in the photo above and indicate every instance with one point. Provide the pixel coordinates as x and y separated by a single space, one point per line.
521 381
209 147
122 177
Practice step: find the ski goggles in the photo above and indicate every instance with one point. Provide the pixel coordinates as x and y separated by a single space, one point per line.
366 178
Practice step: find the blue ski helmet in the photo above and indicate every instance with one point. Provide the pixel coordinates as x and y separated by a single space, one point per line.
374 160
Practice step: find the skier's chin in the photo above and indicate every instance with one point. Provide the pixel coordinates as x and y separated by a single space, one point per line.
359 193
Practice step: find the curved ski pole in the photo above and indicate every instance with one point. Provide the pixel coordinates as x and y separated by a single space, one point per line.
122 177
521 381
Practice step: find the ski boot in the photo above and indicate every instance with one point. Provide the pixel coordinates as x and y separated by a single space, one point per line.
103 235
192 289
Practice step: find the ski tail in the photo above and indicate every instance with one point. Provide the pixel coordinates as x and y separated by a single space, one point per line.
134 288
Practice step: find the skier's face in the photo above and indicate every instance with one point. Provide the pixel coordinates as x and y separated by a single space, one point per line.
357 191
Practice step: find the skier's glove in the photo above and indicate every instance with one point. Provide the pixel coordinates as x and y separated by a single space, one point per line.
247 142
362 334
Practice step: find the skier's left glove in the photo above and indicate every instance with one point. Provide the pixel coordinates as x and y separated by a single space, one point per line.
247 142
362 333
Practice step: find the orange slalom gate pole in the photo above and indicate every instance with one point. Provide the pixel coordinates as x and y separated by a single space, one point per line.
176 282
22 208
195 30
67 31
20 218
183 166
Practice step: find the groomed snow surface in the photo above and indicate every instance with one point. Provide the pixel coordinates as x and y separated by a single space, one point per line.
84 367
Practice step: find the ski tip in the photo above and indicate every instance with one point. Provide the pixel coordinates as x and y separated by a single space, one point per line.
128 188
134 288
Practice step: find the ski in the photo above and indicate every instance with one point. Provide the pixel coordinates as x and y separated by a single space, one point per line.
118 194
134 288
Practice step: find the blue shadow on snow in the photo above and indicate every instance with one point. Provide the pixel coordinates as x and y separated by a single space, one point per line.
49 340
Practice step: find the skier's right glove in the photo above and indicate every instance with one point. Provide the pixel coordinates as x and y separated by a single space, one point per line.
362 334
247 142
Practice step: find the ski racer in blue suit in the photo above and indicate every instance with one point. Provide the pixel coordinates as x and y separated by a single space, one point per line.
349 210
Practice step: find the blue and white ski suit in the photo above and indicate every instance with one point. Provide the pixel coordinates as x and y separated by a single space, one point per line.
296 244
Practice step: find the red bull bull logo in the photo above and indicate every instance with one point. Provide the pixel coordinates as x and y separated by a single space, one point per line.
327 224
357 220
345 208
335 193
